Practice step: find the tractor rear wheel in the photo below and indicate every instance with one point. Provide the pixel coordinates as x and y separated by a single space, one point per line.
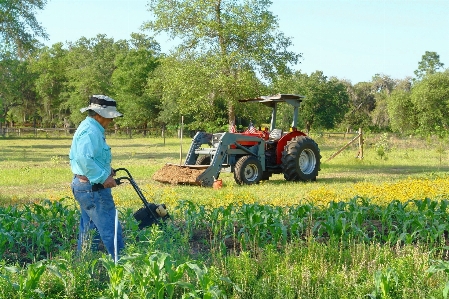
248 171
301 159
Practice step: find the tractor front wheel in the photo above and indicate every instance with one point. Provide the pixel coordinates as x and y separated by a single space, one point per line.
301 159
248 171
203 160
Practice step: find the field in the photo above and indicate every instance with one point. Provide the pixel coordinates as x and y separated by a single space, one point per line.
374 227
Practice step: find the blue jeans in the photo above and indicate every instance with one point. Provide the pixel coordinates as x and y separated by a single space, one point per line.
97 217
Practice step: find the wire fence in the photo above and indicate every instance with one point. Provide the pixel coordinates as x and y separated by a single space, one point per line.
68 132
28 132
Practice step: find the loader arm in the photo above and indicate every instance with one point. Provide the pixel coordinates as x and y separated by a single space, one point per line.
198 140
226 152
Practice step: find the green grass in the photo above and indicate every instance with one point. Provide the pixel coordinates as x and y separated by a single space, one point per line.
32 169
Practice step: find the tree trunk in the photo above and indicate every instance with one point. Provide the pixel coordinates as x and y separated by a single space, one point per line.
231 113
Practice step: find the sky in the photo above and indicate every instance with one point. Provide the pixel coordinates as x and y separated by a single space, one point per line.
347 39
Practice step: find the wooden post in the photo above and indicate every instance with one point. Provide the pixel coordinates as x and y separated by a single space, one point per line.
359 137
360 153
180 149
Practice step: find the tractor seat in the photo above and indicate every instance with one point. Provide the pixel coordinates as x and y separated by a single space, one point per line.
275 135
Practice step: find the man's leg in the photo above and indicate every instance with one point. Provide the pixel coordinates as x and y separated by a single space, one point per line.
103 216
88 233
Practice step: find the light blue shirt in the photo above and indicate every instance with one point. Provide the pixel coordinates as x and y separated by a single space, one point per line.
89 154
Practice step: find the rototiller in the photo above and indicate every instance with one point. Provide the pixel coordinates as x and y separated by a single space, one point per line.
150 213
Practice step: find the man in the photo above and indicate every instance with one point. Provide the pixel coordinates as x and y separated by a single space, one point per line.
90 162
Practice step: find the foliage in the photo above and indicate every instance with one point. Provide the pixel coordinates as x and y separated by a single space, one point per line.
49 65
439 266
30 234
326 100
401 112
130 79
430 102
382 87
90 64
278 250
382 146
18 24
223 47
340 237
429 64
385 282
16 88
362 103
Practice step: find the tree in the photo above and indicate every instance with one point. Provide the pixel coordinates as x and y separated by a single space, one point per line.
401 111
362 102
229 44
326 100
90 64
382 86
16 88
130 80
400 108
18 25
50 66
429 64
430 99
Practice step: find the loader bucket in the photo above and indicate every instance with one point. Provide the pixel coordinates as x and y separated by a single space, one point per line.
180 174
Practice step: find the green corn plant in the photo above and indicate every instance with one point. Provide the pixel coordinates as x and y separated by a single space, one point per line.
191 213
208 287
146 272
155 275
117 277
221 224
276 226
297 217
384 282
27 280
334 226
174 275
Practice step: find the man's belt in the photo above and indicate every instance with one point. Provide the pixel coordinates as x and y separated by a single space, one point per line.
95 187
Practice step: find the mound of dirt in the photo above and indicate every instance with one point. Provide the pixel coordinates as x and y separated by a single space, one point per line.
175 174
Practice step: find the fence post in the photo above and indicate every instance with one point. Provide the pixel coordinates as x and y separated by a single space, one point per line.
360 154
163 133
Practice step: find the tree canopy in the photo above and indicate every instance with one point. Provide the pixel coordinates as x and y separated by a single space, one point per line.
228 50
231 45
429 64
19 28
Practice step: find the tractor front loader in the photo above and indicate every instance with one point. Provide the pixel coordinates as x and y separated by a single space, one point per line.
252 155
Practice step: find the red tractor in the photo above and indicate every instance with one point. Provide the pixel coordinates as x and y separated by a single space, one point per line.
253 155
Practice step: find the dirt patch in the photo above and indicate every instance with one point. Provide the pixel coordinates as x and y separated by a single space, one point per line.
175 174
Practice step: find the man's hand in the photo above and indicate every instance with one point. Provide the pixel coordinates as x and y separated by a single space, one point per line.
110 182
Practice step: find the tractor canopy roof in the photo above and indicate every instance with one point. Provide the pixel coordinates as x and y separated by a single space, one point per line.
292 99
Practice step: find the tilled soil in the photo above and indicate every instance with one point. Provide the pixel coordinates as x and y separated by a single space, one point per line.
175 174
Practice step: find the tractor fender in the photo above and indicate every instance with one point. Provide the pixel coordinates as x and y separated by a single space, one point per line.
283 142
